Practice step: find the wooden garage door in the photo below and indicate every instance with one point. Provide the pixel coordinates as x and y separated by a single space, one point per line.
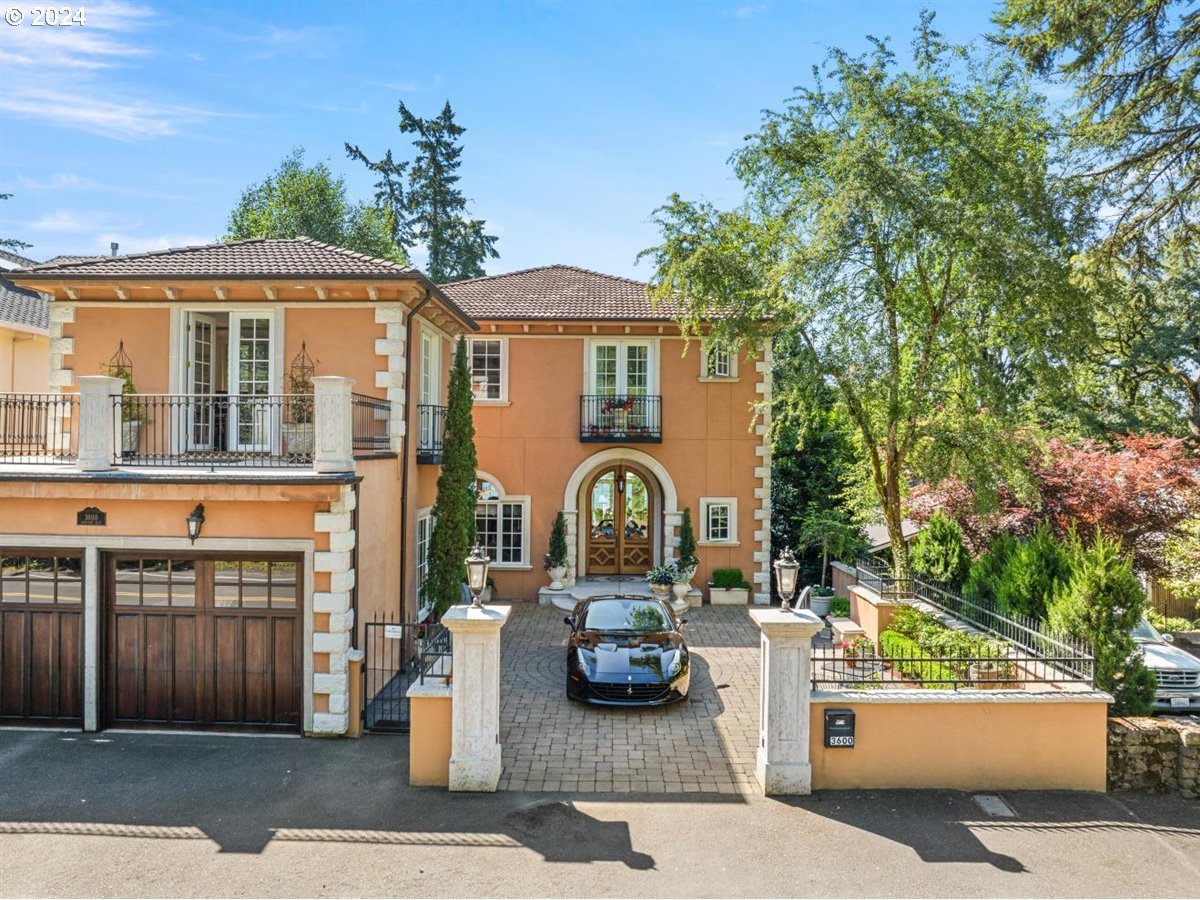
41 637
203 642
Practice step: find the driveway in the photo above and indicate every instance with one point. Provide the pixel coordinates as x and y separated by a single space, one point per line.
202 815
703 745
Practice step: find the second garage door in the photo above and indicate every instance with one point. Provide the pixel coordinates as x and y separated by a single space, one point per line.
203 642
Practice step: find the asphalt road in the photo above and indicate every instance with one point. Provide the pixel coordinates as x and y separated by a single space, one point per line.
197 815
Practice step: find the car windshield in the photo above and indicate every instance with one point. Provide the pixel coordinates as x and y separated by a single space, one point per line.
1144 631
626 615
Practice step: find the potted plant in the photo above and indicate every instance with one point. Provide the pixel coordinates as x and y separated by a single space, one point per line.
687 546
856 649
728 588
681 585
299 429
992 669
661 579
556 559
132 413
819 600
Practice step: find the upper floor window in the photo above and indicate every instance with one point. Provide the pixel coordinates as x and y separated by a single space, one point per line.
621 368
501 524
717 360
489 369
429 386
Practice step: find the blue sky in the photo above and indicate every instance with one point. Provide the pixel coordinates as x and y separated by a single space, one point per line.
144 125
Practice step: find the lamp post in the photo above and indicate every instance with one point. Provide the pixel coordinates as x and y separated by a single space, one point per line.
786 570
195 522
477 569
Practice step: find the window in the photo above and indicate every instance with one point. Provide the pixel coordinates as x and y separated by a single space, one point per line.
718 361
34 578
502 524
488 369
424 533
720 520
622 368
429 388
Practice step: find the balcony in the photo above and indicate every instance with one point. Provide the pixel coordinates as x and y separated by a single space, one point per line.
605 419
431 424
38 428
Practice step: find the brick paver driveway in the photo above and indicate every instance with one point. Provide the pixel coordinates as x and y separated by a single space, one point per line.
705 744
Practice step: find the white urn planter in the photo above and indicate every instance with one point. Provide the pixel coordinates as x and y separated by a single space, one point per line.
680 590
556 576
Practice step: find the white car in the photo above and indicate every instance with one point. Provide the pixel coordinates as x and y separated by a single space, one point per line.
1177 671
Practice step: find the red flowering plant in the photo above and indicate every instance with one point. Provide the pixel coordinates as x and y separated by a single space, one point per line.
625 403
856 647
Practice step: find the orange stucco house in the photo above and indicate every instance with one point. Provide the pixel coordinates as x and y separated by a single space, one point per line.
218 548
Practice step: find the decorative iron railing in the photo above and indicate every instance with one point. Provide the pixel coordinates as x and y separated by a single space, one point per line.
258 430
431 424
371 423
1024 632
1006 667
38 428
627 419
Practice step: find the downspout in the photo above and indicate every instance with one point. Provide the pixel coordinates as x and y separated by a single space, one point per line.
405 463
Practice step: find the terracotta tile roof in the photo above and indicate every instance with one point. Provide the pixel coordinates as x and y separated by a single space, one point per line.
555 292
25 309
8 260
69 258
253 258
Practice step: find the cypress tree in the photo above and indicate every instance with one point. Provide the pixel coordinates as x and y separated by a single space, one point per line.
454 509
940 553
687 541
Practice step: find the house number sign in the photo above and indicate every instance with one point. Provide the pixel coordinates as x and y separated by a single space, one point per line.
91 515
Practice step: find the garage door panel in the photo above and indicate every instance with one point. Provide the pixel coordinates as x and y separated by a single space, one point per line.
185 669
70 664
258 668
41 663
287 666
125 664
158 668
14 672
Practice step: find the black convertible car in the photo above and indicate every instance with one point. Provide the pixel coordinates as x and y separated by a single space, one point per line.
626 651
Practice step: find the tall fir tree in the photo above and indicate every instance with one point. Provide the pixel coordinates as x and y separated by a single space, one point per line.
424 199
454 509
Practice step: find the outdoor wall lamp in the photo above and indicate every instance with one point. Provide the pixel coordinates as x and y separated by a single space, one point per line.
786 570
195 522
477 569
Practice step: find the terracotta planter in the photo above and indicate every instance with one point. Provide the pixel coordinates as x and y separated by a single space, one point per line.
662 591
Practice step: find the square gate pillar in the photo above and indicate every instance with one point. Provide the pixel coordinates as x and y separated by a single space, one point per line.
783 765
475 677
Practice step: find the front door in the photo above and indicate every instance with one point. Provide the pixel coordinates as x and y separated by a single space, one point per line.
619 522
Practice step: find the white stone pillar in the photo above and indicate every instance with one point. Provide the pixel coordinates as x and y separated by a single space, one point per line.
475 676
333 450
783 765
99 440
91 639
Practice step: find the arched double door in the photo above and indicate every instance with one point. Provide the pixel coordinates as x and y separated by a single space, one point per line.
620 522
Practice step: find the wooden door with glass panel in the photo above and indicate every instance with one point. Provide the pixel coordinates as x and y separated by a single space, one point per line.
620 512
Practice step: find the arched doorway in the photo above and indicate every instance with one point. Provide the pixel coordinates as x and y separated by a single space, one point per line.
619 503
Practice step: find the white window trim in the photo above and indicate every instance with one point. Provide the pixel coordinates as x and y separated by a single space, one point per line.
705 503
502 400
435 367
526 503
179 381
589 345
733 375
424 513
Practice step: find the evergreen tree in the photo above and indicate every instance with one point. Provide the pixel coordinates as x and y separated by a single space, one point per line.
425 202
1035 572
687 541
557 556
454 509
987 572
1101 603
939 552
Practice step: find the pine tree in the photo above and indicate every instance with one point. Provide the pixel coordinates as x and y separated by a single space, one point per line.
987 572
687 541
558 542
1037 569
1102 603
939 552
425 202
454 509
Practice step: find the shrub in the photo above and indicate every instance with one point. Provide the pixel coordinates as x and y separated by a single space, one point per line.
1169 623
840 607
687 541
729 579
1101 603
1037 569
939 552
898 649
662 575
987 572
558 543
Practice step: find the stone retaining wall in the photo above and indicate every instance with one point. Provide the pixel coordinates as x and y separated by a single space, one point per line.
1157 756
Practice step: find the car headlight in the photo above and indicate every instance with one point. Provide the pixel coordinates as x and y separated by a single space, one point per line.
675 666
586 658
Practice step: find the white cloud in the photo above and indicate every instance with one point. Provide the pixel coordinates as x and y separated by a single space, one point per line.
70 182
749 10
66 221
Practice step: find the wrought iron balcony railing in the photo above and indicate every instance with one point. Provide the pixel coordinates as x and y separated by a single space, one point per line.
38 428
431 423
624 419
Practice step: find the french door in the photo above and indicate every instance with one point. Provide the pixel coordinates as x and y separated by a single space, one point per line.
201 410
622 374
428 389
620 517
250 376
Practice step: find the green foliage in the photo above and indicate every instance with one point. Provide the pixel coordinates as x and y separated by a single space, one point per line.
558 542
1169 623
939 552
424 202
937 640
729 579
454 509
1182 557
687 541
1036 570
1101 603
911 228
988 571
900 650
839 607
297 200
662 575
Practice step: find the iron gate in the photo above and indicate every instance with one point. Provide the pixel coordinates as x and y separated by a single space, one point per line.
397 655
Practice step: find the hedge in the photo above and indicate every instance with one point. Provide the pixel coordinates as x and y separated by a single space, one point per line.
896 648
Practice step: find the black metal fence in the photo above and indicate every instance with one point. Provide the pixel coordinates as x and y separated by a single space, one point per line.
257 430
371 423
834 667
1024 632
431 425
398 655
631 419
38 428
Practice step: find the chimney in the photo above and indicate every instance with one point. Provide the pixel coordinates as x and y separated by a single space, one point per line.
113 246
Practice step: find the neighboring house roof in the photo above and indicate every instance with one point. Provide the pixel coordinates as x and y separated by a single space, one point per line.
22 308
556 292
10 260
877 535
